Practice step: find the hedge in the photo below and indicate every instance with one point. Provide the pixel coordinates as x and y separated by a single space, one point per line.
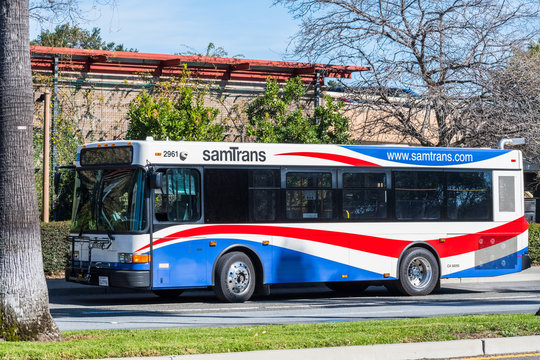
534 243
54 246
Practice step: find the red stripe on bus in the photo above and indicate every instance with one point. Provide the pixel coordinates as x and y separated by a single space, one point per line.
381 246
332 157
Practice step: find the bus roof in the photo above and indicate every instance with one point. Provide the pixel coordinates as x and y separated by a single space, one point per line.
146 152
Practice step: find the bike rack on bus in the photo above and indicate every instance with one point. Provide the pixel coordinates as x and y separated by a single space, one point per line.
93 243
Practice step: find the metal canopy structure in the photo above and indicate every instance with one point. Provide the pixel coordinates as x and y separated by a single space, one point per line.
131 63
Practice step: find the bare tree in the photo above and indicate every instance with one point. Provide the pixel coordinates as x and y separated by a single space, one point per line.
61 11
510 105
431 60
24 305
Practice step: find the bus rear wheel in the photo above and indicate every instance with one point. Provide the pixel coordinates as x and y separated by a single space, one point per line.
418 272
235 277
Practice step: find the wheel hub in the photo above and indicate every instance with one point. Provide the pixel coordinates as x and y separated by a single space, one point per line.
238 277
419 272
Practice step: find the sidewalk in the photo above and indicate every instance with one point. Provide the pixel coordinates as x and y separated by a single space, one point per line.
428 350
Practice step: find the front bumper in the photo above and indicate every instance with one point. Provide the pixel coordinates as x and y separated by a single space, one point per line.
138 279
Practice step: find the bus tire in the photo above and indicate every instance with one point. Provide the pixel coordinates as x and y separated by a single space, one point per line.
168 293
418 272
235 277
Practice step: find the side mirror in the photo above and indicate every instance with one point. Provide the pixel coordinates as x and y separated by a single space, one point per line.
156 180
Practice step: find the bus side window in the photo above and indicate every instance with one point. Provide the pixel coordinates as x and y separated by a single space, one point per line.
364 196
418 194
179 198
264 188
468 195
309 196
507 199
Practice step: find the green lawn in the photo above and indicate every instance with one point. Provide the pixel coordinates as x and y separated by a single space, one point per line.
124 343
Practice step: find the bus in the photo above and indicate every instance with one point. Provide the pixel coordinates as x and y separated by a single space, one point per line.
239 217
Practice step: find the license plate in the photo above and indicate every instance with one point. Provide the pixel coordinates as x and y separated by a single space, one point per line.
103 281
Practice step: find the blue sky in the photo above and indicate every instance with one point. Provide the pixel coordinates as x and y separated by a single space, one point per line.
253 28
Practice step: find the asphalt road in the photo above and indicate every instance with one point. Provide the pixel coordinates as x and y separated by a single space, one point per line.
78 307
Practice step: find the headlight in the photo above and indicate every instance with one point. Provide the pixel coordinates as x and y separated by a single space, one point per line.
125 258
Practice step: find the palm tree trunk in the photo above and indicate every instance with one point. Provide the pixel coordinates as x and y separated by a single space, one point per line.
24 302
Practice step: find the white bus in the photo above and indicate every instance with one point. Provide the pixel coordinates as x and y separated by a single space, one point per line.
239 217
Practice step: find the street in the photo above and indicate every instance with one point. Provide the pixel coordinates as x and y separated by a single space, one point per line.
78 307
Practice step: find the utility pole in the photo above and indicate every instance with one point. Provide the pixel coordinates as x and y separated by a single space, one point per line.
46 154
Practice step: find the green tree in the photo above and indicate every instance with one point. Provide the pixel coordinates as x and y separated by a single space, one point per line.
175 110
278 116
72 36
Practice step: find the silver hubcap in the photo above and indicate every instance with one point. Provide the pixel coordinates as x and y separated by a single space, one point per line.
238 277
419 272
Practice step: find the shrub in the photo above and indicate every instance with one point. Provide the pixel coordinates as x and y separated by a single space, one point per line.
174 110
534 243
279 116
54 246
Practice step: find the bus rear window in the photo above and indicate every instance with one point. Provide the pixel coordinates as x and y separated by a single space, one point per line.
122 155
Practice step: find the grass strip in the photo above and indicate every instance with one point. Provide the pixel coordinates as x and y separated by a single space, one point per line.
125 343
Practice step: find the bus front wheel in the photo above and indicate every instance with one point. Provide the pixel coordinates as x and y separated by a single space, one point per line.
235 277
418 272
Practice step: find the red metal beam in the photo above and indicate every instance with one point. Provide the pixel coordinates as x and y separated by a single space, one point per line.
310 70
130 63
240 67
170 63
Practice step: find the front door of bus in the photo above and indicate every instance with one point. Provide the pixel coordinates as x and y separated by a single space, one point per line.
178 259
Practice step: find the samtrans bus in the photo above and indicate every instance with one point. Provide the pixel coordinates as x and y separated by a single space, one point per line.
239 217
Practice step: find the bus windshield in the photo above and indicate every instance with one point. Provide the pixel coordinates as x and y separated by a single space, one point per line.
110 200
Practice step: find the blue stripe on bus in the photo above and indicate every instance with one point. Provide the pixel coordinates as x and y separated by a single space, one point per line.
428 156
291 266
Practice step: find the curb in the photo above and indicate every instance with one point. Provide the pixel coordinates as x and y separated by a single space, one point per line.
505 345
408 351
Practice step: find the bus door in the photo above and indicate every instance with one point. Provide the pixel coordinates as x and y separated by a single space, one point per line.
310 207
364 200
178 257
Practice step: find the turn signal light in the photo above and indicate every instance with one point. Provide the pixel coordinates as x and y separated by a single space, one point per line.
129 258
141 258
